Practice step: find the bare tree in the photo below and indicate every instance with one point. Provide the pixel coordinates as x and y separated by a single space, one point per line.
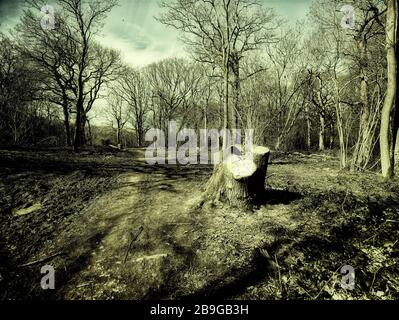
78 67
348 51
133 88
173 83
85 20
53 53
287 79
221 32
19 81
118 112
103 68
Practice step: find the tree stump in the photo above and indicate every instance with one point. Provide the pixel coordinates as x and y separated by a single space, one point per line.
261 160
240 179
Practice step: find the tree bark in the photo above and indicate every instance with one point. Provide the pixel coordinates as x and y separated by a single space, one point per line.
341 136
395 149
386 165
67 125
226 118
80 138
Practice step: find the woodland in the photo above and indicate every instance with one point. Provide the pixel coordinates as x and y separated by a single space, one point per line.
321 190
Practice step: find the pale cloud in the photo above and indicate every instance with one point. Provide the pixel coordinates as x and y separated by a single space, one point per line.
291 10
132 29
9 14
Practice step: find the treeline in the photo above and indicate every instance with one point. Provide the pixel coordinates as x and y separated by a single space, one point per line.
59 71
318 85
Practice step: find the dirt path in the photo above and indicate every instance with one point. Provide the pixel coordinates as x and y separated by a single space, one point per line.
179 253
99 264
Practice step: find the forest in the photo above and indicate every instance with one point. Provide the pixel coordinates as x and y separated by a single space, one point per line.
304 205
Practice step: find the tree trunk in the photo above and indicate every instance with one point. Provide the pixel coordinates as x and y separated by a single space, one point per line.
90 132
226 118
332 137
341 136
395 161
80 138
239 180
395 134
322 133
118 134
67 123
386 165
362 152
277 146
140 134
308 129
395 149
78 128
236 107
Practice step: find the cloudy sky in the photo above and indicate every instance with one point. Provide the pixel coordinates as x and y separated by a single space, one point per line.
131 27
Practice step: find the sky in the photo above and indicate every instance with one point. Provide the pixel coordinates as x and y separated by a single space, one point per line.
132 29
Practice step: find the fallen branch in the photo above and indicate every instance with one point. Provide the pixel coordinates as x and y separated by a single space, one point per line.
312 155
134 236
155 256
41 260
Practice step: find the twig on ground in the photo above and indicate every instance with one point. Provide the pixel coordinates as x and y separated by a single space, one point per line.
372 283
41 260
134 236
84 285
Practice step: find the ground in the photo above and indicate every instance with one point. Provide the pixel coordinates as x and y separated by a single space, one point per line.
114 227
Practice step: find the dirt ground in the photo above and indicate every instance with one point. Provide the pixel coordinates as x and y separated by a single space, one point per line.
114 227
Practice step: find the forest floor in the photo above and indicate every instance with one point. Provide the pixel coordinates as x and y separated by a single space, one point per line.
114 227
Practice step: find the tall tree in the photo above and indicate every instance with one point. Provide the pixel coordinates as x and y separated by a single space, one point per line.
118 112
385 145
134 89
54 53
221 32
85 20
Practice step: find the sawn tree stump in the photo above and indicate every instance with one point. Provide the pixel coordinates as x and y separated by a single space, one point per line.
240 179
